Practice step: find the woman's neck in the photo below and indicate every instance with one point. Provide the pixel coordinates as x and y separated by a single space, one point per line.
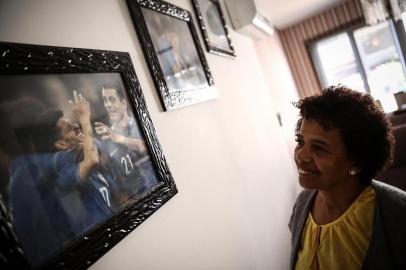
330 204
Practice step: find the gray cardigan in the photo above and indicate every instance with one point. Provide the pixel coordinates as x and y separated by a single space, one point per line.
387 248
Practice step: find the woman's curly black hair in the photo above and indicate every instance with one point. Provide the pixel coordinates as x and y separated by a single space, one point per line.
363 126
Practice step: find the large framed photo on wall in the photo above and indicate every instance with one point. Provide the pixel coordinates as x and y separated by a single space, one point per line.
80 164
174 55
213 27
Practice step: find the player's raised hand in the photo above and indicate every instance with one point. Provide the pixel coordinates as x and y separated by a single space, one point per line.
80 105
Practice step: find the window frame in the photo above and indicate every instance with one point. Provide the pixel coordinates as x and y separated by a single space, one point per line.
398 32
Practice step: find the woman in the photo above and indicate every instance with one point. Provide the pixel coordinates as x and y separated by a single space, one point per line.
344 219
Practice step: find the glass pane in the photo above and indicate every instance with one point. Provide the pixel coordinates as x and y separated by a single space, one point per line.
381 62
338 63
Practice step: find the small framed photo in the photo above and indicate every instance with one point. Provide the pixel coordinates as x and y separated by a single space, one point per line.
173 53
80 164
213 27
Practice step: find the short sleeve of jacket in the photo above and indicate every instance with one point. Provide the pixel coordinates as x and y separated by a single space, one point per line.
290 225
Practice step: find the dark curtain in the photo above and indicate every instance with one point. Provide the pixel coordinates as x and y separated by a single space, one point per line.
295 38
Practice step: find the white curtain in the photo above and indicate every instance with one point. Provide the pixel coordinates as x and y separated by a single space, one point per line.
398 8
376 11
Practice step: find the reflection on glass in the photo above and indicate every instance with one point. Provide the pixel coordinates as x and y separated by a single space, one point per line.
177 55
338 62
55 191
214 25
381 62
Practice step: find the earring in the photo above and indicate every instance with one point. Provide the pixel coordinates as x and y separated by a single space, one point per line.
353 171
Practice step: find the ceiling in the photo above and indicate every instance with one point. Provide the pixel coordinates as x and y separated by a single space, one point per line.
283 13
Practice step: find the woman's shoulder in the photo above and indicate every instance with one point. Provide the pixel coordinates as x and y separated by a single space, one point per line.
305 195
300 210
390 197
303 201
390 225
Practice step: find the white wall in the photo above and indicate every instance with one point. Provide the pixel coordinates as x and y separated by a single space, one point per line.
280 83
235 176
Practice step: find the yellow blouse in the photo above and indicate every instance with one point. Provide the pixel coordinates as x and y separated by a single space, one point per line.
341 244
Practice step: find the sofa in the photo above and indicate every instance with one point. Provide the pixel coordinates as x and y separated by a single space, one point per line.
395 175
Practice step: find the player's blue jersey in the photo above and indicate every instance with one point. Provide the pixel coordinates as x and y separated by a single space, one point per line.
97 193
50 206
134 171
39 218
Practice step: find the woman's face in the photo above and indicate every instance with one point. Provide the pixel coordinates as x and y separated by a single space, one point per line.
321 157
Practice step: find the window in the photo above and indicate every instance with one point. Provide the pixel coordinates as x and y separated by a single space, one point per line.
338 63
404 19
368 59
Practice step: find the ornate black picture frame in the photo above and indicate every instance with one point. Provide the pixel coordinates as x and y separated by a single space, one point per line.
175 58
213 27
45 199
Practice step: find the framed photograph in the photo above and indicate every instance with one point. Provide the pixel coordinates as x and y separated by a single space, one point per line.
80 164
213 27
173 53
